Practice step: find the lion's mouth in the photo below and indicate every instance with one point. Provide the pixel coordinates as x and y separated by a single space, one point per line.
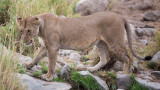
28 44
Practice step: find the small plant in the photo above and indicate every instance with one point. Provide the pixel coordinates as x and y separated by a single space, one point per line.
86 82
135 85
59 79
21 70
37 74
153 66
84 58
111 80
44 68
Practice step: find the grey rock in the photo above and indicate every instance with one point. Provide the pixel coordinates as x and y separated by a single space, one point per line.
65 71
144 5
152 16
99 80
118 66
156 59
156 74
149 32
75 56
31 83
88 7
123 81
65 52
145 41
151 85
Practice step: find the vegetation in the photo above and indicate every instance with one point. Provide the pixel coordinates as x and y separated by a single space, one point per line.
8 78
87 82
135 85
111 80
37 74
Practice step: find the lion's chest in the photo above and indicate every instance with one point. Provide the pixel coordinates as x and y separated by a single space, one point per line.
41 41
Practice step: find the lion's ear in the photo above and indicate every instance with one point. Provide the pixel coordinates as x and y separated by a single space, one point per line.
19 20
36 21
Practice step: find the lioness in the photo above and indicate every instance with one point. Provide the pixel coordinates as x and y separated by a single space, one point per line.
105 29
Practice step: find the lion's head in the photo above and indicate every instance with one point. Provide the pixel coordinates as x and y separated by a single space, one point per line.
29 29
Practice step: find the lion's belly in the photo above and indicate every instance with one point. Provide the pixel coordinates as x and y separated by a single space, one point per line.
82 43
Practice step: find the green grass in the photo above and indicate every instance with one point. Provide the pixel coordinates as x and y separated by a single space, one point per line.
21 70
87 82
37 74
44 68
135 85
59 79
111 80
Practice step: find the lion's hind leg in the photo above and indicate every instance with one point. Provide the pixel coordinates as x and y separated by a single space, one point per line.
103 51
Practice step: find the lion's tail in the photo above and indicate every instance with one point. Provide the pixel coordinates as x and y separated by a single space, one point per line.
129 36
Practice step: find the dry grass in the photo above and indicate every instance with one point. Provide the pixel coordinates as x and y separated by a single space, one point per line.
8 78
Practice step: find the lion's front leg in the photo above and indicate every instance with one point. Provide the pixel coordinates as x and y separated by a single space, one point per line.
52 54
41 54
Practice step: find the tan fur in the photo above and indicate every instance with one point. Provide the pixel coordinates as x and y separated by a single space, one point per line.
105 29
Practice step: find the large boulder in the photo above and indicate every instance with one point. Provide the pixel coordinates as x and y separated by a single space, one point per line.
156 59
152 16
88 7
144 5
30 83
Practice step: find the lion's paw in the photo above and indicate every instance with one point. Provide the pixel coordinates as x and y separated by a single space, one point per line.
47 77
27 65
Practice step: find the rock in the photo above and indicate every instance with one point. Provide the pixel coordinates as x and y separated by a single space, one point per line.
144 5
99 80
21 58
65 52
75 56
149 32
152 16
126 0
146 79
145 41
36 84
118 66
156 59
123 81
151 85
134 36
156 74
65 71
88 7
61 61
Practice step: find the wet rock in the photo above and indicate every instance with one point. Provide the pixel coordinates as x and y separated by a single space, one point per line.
65 71
152 16
123 81
30 83
144 5
149 32
99 80
156 74
156 59
88 7
75 56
